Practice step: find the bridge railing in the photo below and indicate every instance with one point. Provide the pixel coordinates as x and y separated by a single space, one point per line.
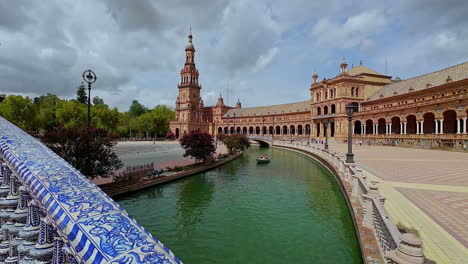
51 213
368 207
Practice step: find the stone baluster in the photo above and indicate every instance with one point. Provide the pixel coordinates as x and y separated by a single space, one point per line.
58 254
68 254
369 208
19 218
409 251
347 173
42 250
13 194
355 182
341 168
5 187
31 230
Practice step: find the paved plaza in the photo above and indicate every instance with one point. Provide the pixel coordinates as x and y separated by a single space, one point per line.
426 191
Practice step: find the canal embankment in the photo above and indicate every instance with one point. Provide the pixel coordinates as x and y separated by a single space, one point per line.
380 239
113 189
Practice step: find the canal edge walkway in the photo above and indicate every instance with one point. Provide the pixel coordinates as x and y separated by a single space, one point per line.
115 191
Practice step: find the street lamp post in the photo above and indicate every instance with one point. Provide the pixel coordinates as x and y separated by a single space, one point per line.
350 109
89 77
325 124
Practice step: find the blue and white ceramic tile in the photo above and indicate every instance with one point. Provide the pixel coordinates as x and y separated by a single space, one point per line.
97 228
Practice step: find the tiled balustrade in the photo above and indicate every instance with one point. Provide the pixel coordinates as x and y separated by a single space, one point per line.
51 213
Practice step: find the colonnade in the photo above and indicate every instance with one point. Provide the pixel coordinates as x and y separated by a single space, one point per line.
461 127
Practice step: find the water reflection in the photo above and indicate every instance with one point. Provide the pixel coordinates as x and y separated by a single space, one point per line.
194 194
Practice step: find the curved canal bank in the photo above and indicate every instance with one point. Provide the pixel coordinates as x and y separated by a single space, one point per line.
288 211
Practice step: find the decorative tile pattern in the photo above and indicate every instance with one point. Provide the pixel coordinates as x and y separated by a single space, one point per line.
96 228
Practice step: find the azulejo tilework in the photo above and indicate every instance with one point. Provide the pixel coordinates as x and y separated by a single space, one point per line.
86 224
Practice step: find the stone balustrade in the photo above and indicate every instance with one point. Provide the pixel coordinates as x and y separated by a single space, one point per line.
51 213
395 247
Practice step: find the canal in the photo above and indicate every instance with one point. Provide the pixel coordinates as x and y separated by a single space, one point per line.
288 211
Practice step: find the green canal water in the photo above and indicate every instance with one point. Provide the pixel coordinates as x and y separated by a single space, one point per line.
288 211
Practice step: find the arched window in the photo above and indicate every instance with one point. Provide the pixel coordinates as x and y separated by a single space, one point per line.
319 112
357 92
352 91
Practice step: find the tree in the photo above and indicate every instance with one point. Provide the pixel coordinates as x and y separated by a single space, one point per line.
88 150
137 109
236 142
98 101
199 145
71 114
105 118
20 111
81 94
46 116
170 136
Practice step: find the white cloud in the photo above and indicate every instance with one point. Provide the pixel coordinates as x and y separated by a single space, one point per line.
356 30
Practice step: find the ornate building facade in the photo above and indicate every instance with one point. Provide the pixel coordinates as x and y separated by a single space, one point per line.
429 110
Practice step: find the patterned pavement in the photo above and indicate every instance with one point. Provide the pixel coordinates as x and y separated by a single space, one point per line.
426 191
448 209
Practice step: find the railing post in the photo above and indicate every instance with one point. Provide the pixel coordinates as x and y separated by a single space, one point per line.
58 254
42 251
355 182
409 251
369 208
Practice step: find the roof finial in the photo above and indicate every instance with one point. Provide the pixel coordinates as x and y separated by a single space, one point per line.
190 30
360 63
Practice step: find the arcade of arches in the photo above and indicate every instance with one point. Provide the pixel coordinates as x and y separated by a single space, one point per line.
428 110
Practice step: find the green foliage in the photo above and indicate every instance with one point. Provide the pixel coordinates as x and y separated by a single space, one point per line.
137 109
72 114
20 111
46 117
98 101
81 94
48 111
236 142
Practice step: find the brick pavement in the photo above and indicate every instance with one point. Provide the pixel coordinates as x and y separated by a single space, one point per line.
426 190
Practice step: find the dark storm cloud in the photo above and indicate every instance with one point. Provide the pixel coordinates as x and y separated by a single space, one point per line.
16 18
137 47
135 15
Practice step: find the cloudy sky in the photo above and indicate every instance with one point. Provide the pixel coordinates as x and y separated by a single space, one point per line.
264 51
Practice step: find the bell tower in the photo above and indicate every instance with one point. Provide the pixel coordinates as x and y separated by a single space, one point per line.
189 87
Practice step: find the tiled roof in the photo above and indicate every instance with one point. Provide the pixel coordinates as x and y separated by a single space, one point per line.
456 73
360 70
271 109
